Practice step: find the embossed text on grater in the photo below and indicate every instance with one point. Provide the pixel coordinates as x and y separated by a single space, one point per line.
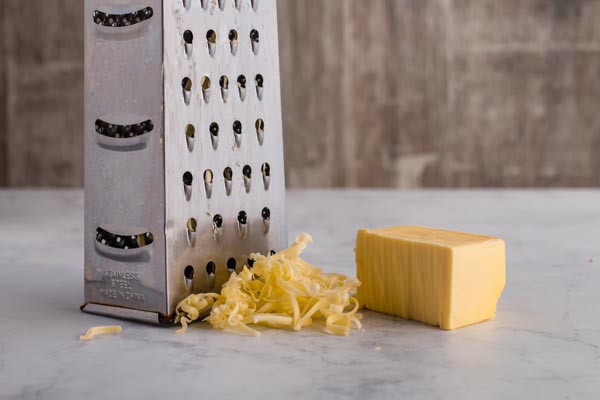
184 153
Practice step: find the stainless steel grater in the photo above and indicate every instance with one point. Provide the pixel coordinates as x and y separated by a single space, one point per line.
184 173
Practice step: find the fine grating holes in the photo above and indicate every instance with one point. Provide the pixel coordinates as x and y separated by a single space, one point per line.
217 227
241 82
266 219
233 41
206 84
259 82
224 83
208 182
228 175
238 4
222 4
272 252
266 174
211 268
189 272
266 213
231 264
188 37
188 179
211 38
255 39
260 131
186 85
214 135
218 221
247 172
187 4
242 219
191 227
250 262
254 4
237 132
190 134
188 275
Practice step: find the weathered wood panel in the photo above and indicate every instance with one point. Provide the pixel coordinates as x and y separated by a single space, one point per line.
44 69
445 93
3 108
377 93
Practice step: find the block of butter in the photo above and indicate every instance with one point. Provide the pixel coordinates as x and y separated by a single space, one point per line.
442 278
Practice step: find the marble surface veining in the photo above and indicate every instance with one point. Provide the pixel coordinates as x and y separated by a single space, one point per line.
543 343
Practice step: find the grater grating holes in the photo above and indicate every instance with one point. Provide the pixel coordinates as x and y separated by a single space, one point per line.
266 219
224 84
211 268
214 135
233 41
259 82
122 20
206 84
231 264
241 82
123 131
211 39
228 175
237 133
188 37
188 40
217 227
186 85
255 40
208 182
188 179
123 242
247 172
190 133
189 272
192 226
266 173
260 131
242 219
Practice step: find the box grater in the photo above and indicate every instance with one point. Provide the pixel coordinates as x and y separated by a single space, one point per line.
184 174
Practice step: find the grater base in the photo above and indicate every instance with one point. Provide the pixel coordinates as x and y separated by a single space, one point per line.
128 313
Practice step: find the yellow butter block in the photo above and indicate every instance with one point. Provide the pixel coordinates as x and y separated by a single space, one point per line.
439 277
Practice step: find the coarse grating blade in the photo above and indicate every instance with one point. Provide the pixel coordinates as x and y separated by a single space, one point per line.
183 149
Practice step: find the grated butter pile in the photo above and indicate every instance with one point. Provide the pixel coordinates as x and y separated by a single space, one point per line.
281 291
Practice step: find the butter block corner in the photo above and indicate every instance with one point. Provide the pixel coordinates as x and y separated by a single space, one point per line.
442 278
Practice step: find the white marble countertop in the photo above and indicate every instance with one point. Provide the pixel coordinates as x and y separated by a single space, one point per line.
543 343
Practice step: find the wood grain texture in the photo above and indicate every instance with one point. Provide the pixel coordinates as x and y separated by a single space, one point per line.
450 93
377 93
44 70
3 108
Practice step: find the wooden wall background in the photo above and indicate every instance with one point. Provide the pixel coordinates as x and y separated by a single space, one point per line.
377 93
